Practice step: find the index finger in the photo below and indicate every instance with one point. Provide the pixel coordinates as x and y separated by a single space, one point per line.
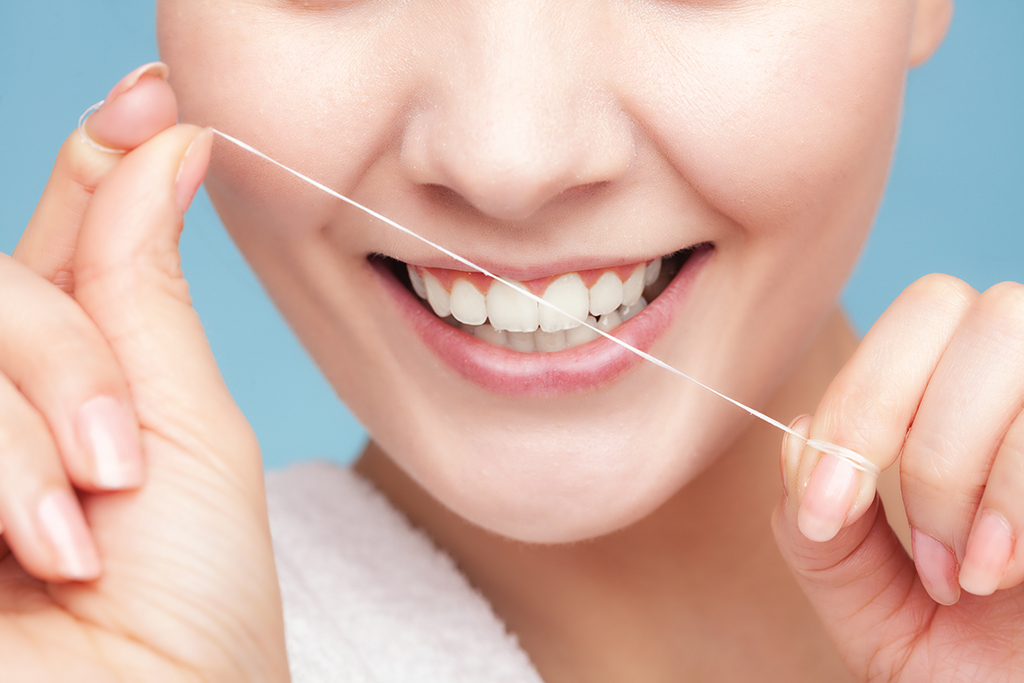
869 406
141 105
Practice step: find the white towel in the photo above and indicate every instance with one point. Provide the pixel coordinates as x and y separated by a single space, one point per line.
368 598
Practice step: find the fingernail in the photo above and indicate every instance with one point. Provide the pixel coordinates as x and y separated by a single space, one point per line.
792 447
831 492
192 169
108 435
62 523
158 69
936 565
988 554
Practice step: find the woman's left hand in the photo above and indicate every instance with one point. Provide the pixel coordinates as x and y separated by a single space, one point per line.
939 380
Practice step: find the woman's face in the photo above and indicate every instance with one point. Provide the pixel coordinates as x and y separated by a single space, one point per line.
542 140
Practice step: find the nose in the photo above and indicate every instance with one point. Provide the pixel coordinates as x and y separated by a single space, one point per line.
515 111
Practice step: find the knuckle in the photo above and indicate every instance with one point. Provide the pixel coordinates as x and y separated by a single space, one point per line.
22 434
49 344
863 417
939 468
939 289
1004 303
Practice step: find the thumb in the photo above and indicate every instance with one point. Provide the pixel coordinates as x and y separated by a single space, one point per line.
861 582
128 279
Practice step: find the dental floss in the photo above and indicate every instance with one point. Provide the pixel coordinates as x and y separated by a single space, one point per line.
854 459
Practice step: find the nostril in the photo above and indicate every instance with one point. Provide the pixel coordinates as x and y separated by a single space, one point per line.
510 165
508 196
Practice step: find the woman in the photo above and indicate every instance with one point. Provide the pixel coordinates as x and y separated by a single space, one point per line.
743 146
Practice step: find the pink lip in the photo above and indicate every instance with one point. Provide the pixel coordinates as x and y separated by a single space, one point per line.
511 373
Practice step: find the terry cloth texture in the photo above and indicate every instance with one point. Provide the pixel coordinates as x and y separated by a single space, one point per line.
368 598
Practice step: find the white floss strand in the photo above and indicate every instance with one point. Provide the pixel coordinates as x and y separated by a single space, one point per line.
856 460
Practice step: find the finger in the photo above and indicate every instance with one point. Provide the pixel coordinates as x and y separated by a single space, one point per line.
973 397
993 559
128 280
861 582
138 107
55 356
42 520
871 403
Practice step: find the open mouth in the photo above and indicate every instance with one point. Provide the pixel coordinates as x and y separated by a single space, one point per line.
502 317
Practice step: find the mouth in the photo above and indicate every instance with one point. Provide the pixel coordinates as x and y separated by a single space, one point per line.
502 317
509 344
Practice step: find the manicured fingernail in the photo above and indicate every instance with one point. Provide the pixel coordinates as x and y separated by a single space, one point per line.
988 554
831 492
792 447
108 435
192 169
936 566
64 527
158 69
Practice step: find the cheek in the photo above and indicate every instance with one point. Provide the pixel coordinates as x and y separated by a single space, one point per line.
785 120
315 94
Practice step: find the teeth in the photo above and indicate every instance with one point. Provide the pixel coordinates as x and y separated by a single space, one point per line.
633 287
581 335
490 335
653 271
627 312
609 321
509 310
417 282
606 294
547 342
467 303
570 294
439 298
522 342
507 319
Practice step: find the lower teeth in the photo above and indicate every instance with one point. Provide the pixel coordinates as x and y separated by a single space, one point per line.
548 342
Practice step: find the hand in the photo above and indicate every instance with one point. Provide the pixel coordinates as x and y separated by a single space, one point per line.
136 540
940 380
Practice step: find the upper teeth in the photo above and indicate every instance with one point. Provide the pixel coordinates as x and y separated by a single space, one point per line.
509 310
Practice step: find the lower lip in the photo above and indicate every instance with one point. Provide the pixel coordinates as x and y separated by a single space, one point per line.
585 367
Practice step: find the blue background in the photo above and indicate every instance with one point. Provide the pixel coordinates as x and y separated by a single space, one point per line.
955 203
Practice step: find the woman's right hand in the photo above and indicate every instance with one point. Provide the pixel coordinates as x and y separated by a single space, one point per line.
136 544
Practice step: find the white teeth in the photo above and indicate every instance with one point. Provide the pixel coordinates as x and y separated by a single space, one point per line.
627 312
467 303
509 310
507 319
609 321
633 287
490 335
570 294
606 294
439 298
548 342
581 335
522 342
417 282
653 271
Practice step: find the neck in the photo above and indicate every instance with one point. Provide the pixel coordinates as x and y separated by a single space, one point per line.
696 590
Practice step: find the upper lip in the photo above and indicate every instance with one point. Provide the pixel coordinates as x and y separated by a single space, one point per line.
526 272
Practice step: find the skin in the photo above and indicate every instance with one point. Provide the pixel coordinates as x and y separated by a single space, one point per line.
764 128
665 147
